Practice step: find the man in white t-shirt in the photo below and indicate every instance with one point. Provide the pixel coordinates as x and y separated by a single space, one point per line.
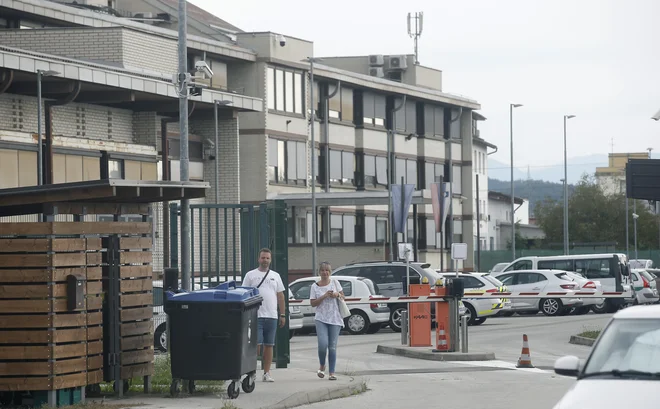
271 290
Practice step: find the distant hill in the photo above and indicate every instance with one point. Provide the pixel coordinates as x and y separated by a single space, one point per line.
577 166
532 190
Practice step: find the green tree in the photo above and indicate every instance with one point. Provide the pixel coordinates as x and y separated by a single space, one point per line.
594 217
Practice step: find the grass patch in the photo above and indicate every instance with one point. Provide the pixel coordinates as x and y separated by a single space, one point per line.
591 334
162 380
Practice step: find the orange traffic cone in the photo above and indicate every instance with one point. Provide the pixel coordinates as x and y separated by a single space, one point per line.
442 338
525 360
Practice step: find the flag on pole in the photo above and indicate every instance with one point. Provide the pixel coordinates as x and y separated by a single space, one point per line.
440 200
401 206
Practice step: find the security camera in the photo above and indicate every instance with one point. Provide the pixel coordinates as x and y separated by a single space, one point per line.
203 67
656 117
282 40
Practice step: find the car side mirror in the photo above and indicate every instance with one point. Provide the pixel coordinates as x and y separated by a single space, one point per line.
568 366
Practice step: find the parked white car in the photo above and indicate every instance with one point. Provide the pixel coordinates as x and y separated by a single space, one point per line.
364 318
295 317
623 366
477 309
540 281
644 285
587 285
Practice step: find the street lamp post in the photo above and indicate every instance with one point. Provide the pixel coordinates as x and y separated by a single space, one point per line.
566 117
635 217
315 231
40 172
513 218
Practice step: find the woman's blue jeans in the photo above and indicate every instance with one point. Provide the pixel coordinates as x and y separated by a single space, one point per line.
327 336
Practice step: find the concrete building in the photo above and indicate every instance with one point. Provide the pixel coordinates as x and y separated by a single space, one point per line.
480 171
123 52
499 221
612 178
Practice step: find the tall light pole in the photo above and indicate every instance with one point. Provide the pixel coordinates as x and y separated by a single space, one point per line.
183 131
635 217
513 217
312 121
40 172
566 117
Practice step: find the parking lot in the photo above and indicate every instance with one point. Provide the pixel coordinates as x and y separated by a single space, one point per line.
395 380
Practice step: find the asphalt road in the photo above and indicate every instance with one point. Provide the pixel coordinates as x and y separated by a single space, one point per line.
396 382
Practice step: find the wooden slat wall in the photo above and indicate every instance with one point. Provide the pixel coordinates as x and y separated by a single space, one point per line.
64 349
136 303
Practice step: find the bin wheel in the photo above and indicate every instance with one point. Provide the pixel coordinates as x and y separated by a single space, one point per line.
93 390
191 386
248 384
174 388
233 391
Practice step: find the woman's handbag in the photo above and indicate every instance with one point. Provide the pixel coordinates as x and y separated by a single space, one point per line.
343 308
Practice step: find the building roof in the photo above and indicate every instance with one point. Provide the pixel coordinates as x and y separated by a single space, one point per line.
198 14
503 197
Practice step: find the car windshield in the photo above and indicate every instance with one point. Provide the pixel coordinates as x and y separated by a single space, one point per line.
499 267
493 280
627 345
640 263
373 289
647 275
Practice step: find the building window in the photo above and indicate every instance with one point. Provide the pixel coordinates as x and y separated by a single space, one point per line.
285 90
434 121
434 173
342 167
287 161
406 169
375 229
116 169
406 117
374 111
375 171
342 228
456 180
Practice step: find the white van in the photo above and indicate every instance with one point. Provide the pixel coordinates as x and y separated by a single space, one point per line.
611 269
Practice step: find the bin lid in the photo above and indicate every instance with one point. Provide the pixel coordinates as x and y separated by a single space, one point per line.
225 292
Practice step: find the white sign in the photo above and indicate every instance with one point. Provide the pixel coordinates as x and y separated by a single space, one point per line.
459 251
406 251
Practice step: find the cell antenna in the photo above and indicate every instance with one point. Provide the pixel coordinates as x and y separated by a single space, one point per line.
415 29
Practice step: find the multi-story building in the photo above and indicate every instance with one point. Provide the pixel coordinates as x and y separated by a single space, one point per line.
499 221
480 188
123 53
612 178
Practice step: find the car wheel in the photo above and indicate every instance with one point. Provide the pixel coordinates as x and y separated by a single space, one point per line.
160 338
582 310
395 318
479 321
506 313
551 307
357 323
471 313
600 308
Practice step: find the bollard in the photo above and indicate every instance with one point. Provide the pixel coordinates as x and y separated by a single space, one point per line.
404 327
464 334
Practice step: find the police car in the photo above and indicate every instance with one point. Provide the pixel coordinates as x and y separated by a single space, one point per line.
478 309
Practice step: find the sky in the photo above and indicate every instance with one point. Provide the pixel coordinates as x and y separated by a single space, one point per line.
596 59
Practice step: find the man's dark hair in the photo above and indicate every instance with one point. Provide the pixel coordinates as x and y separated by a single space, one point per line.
265 250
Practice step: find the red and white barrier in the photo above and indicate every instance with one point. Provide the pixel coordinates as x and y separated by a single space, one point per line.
482 295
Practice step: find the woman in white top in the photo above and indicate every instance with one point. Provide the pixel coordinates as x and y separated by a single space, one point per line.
323 296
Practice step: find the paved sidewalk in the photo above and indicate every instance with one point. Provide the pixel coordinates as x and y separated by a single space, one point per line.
292 387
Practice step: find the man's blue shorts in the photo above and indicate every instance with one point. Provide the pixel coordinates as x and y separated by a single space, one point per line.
266 330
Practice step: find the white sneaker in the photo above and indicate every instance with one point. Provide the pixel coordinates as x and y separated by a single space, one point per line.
268 378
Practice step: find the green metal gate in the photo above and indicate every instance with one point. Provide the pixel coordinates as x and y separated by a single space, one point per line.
225 243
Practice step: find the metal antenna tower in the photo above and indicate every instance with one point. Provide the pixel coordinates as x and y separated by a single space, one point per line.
415 33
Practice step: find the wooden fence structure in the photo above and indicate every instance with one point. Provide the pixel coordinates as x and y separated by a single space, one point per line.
76 297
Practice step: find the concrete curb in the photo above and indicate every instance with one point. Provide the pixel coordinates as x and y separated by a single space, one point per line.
408 352
577 340
320 395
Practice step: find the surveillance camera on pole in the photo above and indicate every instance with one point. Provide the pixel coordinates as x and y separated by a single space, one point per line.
203 67
656 117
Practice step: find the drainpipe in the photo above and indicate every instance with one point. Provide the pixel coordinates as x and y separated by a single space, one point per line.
164 157
48 111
